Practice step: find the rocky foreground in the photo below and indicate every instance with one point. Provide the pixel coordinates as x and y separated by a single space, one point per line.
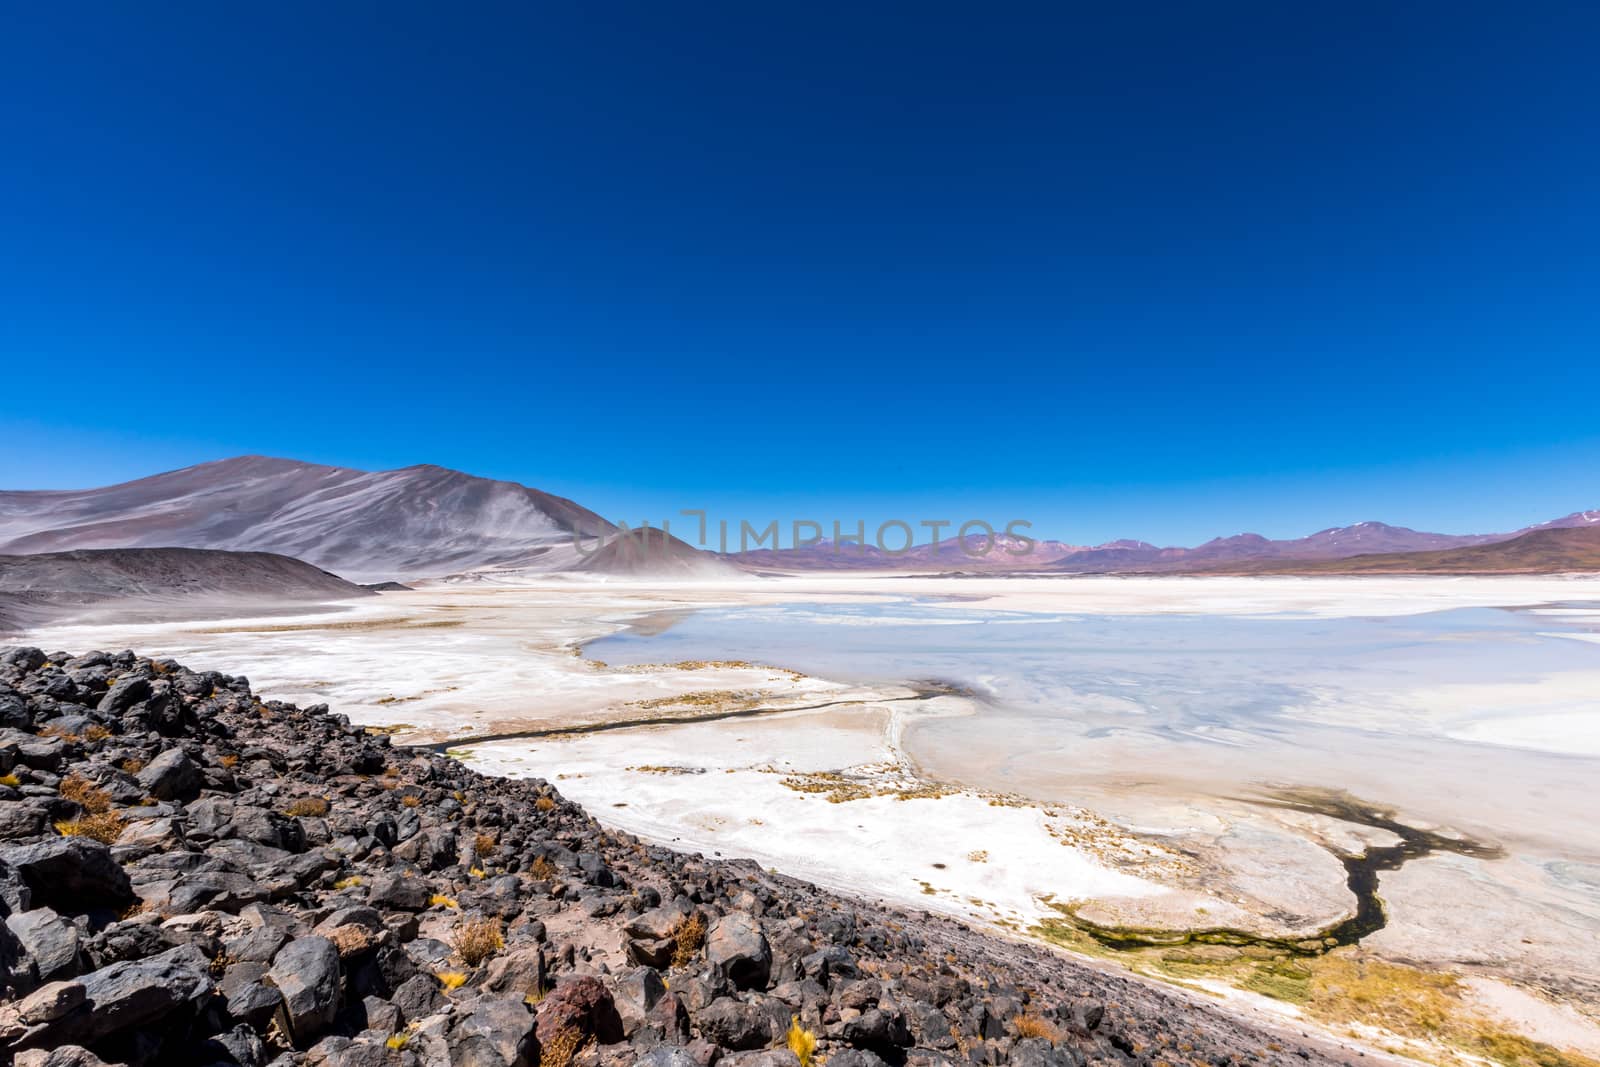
190 875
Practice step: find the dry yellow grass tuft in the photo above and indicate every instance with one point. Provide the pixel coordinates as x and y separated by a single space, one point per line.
478 939
410 800
229 761
85 794
560 1050
483 844
687 936
1036 1026
131 766
545 804
308 806
451 979
542 869
10 781
439 900
105 827
801 1042
347 883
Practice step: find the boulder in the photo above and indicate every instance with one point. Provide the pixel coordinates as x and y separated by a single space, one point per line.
306 972
734 1024
52 942
737 948
505 1023
71 873
582 1004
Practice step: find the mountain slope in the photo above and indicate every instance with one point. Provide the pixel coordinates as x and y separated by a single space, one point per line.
416 522
36 588
1553 550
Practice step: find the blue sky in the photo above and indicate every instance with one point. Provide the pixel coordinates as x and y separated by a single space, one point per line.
1169 271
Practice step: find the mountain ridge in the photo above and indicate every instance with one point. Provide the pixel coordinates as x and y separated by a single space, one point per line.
422 521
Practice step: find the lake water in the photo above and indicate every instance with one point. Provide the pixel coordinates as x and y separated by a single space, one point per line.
1480 719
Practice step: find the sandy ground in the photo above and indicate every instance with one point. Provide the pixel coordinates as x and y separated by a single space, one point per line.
812 776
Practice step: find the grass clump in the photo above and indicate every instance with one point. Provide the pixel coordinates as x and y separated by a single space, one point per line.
801 1042
439 900
451 980
104 827
483 844
477 940
1036 1026
543 870
88 796
131 766
560 1049
398 1041
545 804
347 883
687 937
313 807
10 781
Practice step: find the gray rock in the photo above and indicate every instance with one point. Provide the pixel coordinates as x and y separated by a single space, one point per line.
737 948
519 971
20 819
171 776
124 694
733 1024
51 941
139 993
306 972
1038 1052
50 1002
636 995
667 1056
398 893
254 1003
505 1023
72 873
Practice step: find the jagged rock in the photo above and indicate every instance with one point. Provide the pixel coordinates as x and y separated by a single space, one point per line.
306 972
72 873
505 1023
667 1056
734 1024
398 892
20 820
520 971
737 948
582 1004
637 994
52 942
1038 1052
163 989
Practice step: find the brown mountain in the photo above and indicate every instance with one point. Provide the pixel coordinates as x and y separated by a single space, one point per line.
1553 550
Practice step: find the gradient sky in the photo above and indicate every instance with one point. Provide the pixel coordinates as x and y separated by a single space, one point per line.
1154 270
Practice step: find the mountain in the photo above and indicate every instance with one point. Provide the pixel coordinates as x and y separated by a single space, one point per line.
415 522
137 581
1550 550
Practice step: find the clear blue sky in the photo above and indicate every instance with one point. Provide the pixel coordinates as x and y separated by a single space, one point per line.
1152 270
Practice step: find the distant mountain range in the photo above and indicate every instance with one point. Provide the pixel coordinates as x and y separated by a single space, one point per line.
416 522
1550 550
1127 556
429 522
